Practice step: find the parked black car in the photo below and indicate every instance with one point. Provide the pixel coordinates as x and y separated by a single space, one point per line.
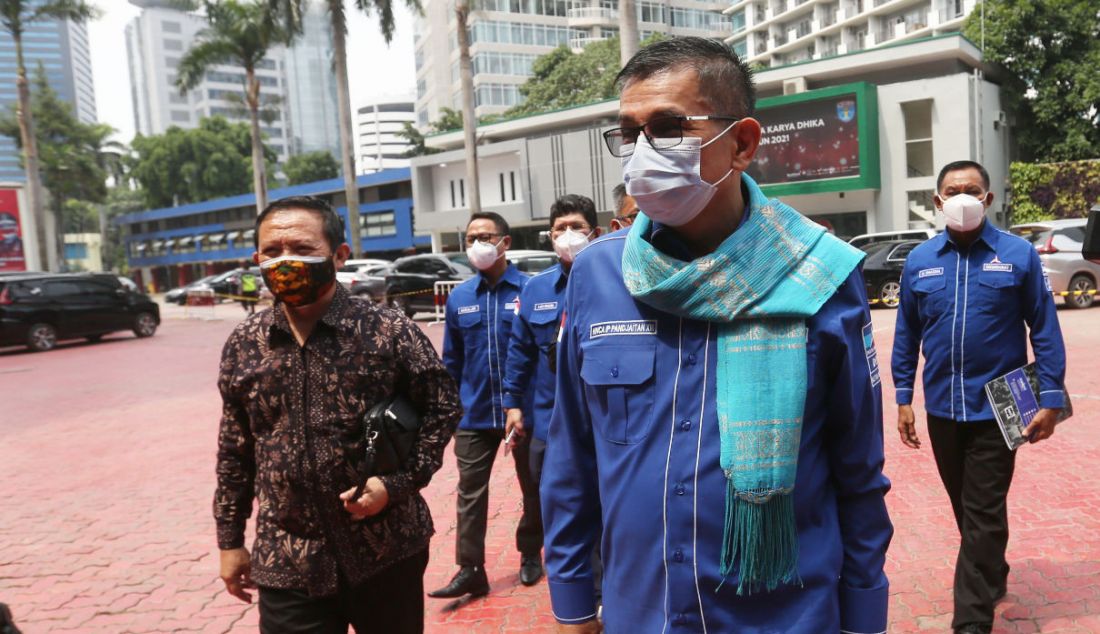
882 270
38 309
411 286
178 295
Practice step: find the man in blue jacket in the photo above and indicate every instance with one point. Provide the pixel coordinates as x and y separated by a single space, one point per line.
479 317
532 351
967 294
718 409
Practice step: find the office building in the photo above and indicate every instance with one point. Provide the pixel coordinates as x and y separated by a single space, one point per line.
377 140
173 246
781 32
507 36
859 145
61 48
298 84
311 86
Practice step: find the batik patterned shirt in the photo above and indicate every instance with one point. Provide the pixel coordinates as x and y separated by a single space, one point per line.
292 437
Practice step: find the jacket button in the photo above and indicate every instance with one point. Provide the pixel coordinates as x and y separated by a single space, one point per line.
685 425
679 489
678 556
615 371
691 359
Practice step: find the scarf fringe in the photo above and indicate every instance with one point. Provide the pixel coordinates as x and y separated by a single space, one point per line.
766 538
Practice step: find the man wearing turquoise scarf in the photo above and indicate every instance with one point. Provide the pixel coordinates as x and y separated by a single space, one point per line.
718 408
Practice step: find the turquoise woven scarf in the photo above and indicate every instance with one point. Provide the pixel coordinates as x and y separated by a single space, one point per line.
759 287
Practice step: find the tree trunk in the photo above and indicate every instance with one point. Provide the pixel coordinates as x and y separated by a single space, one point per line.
259 169
347 138
628 30
469 117
37 227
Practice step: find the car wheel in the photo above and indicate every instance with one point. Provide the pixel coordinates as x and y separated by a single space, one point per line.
889 293
1081 283
145 325
41 337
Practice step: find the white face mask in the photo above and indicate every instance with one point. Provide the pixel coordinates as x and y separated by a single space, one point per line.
963 212
666 183
569 244
483 255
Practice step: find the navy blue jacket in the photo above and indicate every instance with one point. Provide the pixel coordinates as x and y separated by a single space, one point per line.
634 447
475 344
527 373
969 308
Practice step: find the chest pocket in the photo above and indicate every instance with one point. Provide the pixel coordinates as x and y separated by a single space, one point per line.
931 296
619 385
544 324
998 293
473 332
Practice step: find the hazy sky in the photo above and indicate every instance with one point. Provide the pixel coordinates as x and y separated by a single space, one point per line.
390 70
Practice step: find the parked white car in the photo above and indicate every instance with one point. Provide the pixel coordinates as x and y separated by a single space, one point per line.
1059 244
865 239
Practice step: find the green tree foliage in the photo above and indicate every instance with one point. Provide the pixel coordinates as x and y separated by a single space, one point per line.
310 167
449 119
73 155
1046 191
1051 48
186 166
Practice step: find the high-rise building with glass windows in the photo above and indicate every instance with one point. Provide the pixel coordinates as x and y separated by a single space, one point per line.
507 36
780 32
61 48
298 83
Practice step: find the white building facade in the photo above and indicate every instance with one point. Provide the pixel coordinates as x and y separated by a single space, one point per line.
859 144
379 145
780 32
507 36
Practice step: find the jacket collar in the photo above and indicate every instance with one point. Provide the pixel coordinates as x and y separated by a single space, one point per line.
337 311
511 276
989 236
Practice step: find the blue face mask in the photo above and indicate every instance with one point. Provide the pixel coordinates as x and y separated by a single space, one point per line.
666 183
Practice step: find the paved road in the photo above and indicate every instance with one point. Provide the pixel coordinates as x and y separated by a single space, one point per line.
107 464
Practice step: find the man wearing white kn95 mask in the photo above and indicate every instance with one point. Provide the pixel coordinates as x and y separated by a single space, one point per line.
718 411
967 294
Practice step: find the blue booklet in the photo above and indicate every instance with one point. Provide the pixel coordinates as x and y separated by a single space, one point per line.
1015 401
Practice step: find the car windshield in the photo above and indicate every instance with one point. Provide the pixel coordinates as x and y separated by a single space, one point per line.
875 247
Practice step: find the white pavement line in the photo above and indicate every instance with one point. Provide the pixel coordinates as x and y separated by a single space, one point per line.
1090 397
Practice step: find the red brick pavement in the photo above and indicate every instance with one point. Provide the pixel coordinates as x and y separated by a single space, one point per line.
107 463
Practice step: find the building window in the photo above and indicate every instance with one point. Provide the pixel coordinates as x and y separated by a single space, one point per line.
173 45
458 193
917 116
375 225
181 116
76 251
922 212
170 27
512 180
498 95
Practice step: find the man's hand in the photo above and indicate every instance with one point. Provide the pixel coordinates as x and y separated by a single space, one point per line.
588 627
1042 426
907 426
236 573
371 502
514 421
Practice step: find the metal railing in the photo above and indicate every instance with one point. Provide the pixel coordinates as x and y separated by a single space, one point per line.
593 13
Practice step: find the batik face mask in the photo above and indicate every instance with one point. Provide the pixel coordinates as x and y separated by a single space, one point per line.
298 280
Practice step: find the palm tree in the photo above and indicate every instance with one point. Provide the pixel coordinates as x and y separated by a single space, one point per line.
628 31
17 15
292 11
240 33
469 115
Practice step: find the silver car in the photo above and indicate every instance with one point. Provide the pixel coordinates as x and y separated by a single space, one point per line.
1059 245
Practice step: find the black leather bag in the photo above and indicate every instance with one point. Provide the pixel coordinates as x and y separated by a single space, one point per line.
391 429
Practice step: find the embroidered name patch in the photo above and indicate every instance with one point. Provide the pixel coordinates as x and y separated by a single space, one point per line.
923 273
1046 280
466 310
546 306
1001 267
510 306
632 327
869 351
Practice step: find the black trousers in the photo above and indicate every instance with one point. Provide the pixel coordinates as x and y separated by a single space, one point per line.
391 602
476 451
976 468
